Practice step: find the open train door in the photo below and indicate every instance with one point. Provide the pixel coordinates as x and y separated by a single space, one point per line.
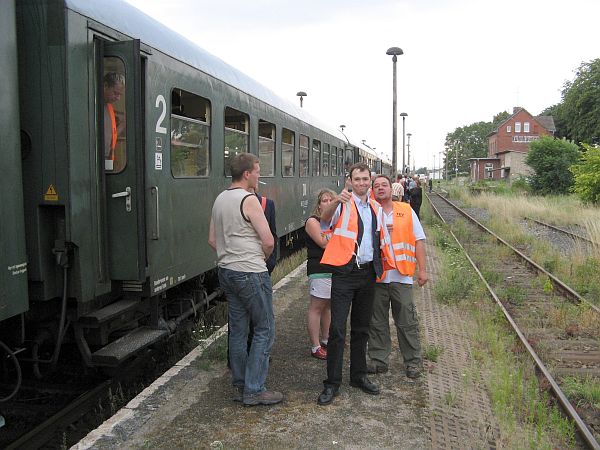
121 117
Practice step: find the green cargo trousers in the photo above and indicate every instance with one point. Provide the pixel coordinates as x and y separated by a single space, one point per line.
404 312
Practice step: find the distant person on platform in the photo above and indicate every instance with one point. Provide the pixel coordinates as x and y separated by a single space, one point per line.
240 234
113 89
430 184
353 253
403 253
397 192
416 196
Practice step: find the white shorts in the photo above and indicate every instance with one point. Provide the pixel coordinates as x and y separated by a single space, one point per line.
320 287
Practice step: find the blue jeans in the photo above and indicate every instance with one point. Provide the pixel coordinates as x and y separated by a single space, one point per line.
250 298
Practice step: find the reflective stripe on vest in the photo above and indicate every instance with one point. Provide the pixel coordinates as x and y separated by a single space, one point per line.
113 126
402 254
343 243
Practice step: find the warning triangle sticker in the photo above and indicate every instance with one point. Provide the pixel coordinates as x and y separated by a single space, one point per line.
51 194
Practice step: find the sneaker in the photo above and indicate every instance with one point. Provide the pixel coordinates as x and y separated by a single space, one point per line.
324 345
263 398
238 394
413 372
320 353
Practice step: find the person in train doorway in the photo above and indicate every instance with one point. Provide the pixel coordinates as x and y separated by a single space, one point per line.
403 251
354 256
113 89
240 234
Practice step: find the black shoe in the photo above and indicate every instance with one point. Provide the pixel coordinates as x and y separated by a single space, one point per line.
376 368
413 372
327 395
365 385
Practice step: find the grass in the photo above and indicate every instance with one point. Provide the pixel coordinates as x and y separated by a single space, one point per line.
584 392
288 264
526 419
432 352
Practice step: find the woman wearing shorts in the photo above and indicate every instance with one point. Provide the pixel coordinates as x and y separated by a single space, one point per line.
319 277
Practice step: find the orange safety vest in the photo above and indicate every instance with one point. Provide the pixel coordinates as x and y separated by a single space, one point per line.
399 252
113 125
344 239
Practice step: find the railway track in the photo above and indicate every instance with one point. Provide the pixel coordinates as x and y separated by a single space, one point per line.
557 326
563 231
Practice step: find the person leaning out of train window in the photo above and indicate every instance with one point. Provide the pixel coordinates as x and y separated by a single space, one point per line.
319 276
113 89
240 234
353 252
403 251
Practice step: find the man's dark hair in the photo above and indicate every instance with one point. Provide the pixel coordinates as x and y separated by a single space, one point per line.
361 167
381 175
112 78
240 163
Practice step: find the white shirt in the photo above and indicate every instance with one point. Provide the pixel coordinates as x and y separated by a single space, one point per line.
393 276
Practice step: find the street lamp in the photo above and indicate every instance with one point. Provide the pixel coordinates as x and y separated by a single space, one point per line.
433 175
408 135
456 165
301 94
342 130
440 164
394 52
403 115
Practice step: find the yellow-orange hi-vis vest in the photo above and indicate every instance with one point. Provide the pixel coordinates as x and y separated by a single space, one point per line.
344 239
399 250
113 126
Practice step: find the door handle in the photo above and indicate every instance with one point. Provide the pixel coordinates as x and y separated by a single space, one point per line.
127 195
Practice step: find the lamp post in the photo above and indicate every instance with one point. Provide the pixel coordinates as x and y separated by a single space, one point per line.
456 165
433 166
301 94
408 135
403 115
394 52
440 164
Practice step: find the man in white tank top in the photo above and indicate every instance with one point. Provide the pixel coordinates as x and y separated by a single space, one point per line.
240 234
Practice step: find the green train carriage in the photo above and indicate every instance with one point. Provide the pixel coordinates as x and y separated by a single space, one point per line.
115 230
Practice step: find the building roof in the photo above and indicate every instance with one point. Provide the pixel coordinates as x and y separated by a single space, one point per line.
545 121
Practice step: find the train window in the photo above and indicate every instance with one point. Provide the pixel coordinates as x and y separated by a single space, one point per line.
236 135
266 148
113 91
288 141
325 160
316 151
190 135
349 159
340 161
333 163
303 155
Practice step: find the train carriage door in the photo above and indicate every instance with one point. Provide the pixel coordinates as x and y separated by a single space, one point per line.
121 119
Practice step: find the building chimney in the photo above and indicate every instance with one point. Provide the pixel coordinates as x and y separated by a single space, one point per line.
516 109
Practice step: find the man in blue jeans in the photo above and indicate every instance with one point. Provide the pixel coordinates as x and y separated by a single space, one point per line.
240 234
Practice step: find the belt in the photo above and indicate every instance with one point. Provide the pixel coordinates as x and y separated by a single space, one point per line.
363 266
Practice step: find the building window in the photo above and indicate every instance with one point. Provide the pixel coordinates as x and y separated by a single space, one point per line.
303 156
288 141
508 128
526 127
488 170
266 148
236 135
190 135
517 127
316 158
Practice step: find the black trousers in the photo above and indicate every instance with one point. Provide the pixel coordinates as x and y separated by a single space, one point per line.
355 289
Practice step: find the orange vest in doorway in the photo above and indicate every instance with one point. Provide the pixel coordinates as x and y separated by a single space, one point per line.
399 250
113 126
344 239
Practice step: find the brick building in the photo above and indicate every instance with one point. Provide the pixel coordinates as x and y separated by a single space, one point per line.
508 146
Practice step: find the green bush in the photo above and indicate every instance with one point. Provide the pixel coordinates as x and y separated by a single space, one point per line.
587 175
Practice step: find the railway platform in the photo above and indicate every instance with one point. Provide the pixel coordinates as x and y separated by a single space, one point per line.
190 406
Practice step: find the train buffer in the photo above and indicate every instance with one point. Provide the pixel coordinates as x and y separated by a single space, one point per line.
191 405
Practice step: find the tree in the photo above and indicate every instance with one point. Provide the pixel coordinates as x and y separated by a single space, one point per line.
551 160
587 175
577 117
470 141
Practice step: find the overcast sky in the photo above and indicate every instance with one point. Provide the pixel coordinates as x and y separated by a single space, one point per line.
464 60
